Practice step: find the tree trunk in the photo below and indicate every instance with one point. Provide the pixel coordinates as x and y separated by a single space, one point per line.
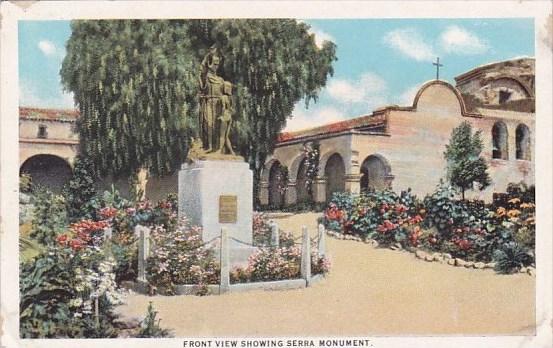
463 194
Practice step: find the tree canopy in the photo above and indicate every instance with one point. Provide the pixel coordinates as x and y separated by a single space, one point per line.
465 167
135 84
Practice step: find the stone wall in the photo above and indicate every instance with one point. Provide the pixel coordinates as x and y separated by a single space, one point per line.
414 143
292 156
61 130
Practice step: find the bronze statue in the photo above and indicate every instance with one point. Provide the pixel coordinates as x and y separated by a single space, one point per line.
215 106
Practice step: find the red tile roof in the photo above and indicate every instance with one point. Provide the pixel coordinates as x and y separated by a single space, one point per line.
48 114
336 127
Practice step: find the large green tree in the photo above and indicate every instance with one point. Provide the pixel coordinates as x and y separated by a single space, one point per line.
466 169
135 83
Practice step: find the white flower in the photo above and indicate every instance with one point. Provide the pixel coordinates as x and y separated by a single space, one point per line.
76 302
87 307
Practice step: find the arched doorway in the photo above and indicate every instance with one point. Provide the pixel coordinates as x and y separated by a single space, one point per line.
49 171
376 173
523 142
276 182
334 173
500 138
302 183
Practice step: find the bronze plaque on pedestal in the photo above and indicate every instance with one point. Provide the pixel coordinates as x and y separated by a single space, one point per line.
228 209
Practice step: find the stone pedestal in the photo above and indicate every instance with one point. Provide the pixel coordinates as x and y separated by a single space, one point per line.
217 194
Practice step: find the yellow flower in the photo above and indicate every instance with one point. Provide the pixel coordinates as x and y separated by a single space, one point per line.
527 205
513 213
501 211
514 200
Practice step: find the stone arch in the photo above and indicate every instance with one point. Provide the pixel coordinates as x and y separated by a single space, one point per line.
432 83
48 171
295 166
266 169
302 189
376 173
275 180
324 159
334 171
500 141
522 136
524 87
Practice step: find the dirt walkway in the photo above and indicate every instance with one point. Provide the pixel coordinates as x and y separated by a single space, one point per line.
369 292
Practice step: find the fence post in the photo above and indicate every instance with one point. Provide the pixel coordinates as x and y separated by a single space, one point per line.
225 269
143 251
305 256
274 234
322 240
108 233
96 312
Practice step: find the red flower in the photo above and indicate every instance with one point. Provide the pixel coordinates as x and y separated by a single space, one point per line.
62 239
108 212
386 226
400 208
89 226
76 244
414 236
334 214
463 244
165 205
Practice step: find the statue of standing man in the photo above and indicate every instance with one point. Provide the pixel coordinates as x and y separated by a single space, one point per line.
215 106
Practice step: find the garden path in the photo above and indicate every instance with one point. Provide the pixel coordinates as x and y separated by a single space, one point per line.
368 292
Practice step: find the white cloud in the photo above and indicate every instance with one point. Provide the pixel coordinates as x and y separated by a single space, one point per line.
458 40
408 96
321 37
308 118
47 47
345 99
369 90
409 42
29 95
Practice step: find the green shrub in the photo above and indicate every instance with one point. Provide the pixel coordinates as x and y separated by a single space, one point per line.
80 190
57 292
150 327
343 200
49 217
443 211
510 257
382 215
25 183
178 256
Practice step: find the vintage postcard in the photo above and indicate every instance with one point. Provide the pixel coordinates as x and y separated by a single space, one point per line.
276 174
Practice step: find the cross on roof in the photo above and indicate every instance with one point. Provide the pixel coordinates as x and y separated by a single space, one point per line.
438 65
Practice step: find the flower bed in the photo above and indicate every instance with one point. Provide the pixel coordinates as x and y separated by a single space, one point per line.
179 257
71 286
180 261
466 230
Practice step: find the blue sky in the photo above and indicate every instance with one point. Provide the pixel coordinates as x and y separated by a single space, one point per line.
380 61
